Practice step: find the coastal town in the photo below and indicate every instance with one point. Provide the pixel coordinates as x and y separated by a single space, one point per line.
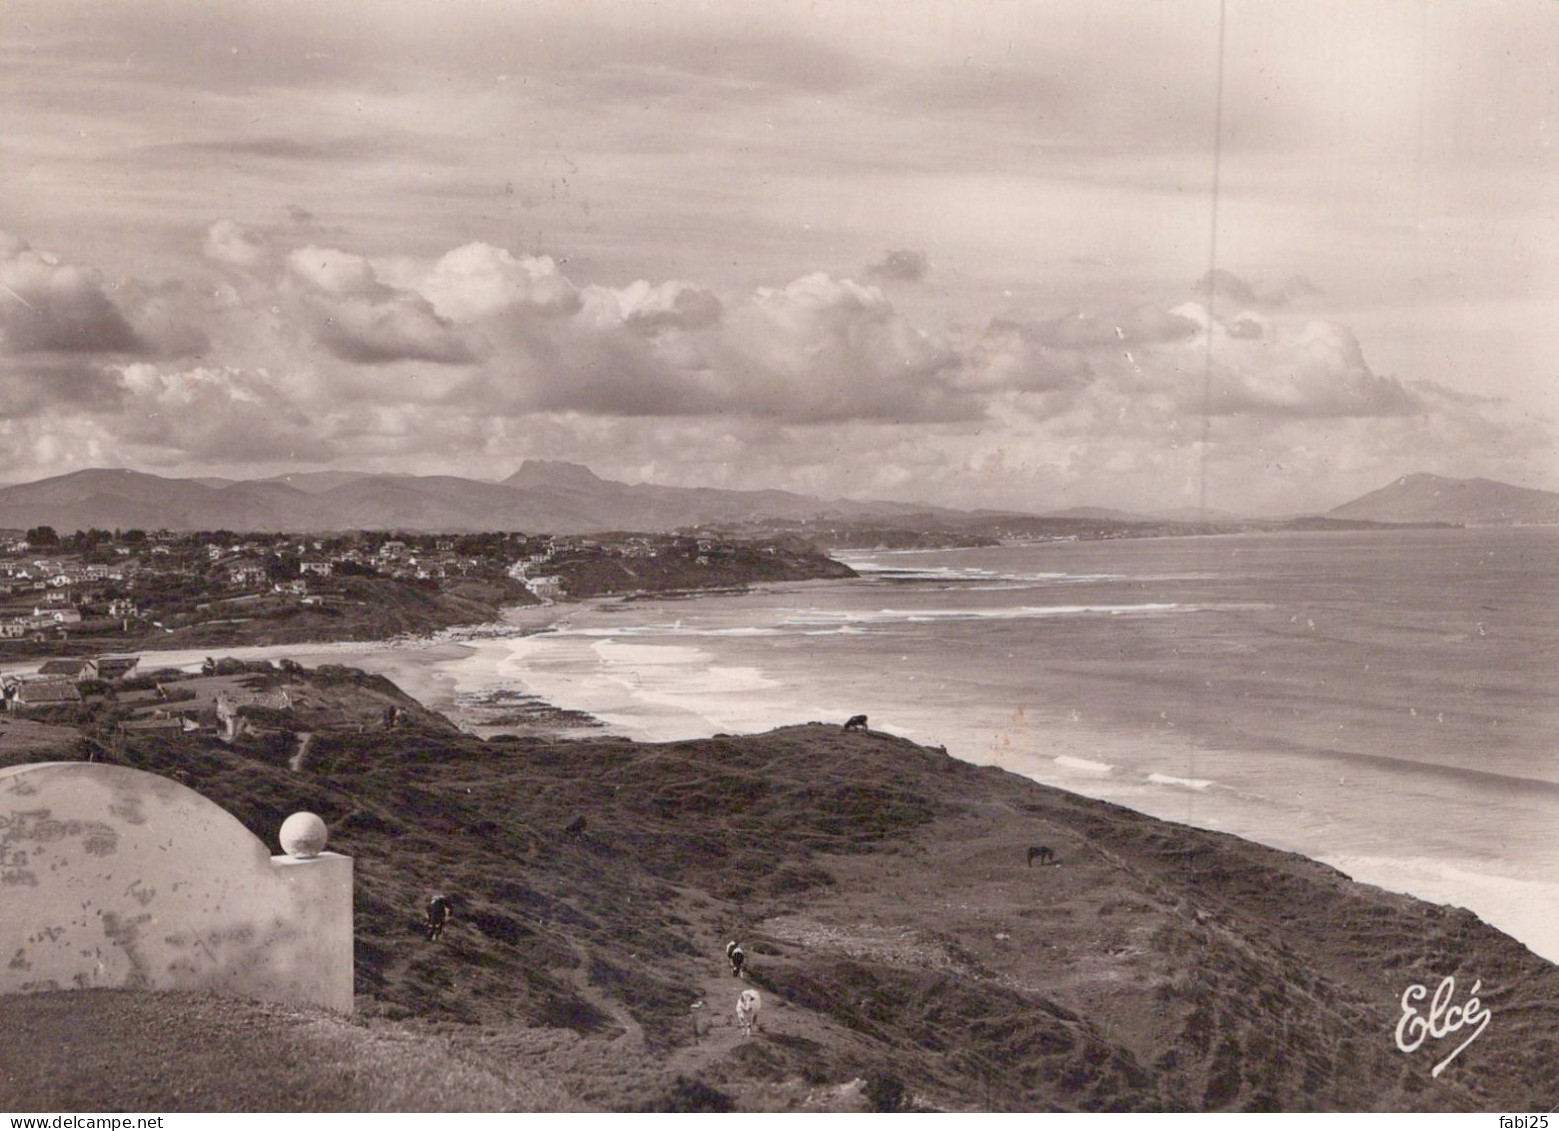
99 590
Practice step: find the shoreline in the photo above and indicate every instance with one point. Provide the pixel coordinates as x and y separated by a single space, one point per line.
468 672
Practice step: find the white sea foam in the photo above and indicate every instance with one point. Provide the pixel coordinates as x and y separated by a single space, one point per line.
1181 783
654 692
817 618
1525 908
1083 765
972 574
678 629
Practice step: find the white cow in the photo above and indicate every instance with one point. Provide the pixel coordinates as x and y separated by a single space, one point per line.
747 1007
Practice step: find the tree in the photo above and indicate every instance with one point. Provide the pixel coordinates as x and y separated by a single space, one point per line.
42 536
282 567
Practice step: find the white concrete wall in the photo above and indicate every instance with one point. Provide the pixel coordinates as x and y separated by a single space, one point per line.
112 877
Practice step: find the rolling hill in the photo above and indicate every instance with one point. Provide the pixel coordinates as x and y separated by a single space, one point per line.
1467 502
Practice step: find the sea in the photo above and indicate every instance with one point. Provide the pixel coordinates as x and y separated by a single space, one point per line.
1382 701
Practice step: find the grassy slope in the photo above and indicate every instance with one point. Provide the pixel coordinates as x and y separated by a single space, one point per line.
357 608
121 1051
895 931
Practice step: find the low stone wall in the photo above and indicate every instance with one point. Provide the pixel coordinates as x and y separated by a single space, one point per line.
112 877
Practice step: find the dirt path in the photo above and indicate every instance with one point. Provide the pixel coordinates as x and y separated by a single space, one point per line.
295 763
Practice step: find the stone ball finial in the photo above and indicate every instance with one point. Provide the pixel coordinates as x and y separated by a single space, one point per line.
303 836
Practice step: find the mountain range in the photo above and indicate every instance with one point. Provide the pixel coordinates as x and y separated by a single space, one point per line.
543 495
568 498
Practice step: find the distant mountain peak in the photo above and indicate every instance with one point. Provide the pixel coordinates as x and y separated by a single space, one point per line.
1424 497
553 473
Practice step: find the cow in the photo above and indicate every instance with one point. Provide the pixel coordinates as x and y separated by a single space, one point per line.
1043 855
576 827
855 722
436 916
738 957
747 1007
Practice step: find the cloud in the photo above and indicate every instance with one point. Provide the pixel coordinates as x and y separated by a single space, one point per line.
478 281
902 265
51 307
229 242
1226 289
820 349
35 386
313 353
1308 369
1013 355
673 305
1143 325
359 319
219 413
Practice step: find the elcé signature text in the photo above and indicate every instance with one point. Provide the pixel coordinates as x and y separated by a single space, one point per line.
1441 1020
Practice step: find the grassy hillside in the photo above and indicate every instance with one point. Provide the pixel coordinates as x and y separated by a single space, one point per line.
906 952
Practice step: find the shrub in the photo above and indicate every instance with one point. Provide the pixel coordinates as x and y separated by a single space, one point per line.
691 1095
885 1092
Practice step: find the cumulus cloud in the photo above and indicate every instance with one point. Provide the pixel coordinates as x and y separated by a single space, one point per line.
823 349
1186 361
479 281
1309 369
1015 355
670 305
357 318
229 242
218 413
318 353
49 306
901 265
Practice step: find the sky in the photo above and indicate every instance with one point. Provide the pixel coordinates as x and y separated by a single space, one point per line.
1257 257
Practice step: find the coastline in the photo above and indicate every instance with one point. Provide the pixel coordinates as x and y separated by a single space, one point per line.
646 687
473 673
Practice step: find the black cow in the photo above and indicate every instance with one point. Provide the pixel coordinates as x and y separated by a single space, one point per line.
855 722
1043 855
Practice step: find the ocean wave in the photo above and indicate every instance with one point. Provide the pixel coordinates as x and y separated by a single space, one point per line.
1083 765
1181 783
829 622
974 575
607 632
819 619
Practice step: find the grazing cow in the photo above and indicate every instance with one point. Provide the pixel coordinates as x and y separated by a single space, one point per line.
436 916
855 722
1044 855
576 826
738 957
747 1007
